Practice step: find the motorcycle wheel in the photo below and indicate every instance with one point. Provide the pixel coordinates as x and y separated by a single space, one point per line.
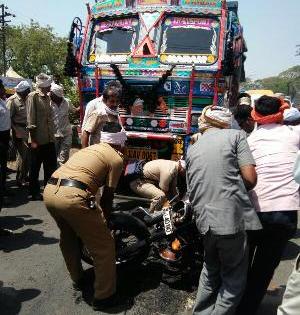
131 240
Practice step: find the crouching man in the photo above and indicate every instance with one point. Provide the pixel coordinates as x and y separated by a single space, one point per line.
158 181
69 197
220 170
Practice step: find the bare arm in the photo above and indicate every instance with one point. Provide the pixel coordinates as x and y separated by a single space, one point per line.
106 201
85 139
249 176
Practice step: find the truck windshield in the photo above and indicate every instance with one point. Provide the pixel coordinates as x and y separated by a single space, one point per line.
188 40
113 39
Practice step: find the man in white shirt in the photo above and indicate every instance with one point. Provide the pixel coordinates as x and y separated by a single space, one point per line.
5 125
102 112
275 198
62 127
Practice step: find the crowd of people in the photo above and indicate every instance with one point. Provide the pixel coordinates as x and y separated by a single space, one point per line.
242 189
240 183
38 123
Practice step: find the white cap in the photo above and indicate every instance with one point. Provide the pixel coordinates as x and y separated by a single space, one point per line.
43 80
245 101
116 138
22 86
291 114
138 102
57 90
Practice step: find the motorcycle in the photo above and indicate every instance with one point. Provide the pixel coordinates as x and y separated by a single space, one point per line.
170 235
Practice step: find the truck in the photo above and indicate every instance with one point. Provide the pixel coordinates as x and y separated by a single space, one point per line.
173 57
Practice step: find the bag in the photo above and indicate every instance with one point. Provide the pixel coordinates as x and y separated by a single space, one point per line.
296 171
134 169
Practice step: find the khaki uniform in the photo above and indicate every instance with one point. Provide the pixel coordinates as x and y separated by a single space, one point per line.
18 115
99 121
159 176
94 166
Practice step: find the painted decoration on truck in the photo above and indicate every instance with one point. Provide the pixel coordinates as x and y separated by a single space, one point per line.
139 62
189 40
148 43
152 2
107 8
106 5
211 4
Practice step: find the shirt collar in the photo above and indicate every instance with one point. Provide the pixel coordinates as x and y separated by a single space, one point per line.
20 98
41 93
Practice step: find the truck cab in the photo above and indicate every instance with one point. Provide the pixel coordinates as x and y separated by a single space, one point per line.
173 58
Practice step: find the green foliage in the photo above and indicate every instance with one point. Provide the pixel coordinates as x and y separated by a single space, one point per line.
280 84
276 84
32 49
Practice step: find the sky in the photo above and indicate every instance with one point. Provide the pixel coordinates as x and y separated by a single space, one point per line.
271 28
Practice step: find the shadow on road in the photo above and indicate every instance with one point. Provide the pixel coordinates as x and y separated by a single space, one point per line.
271 301
25 239
291 251
17 196
11 299
18 221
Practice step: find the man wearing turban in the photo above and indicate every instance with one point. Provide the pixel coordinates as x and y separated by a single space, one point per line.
62 127
220 170
41 134
18 114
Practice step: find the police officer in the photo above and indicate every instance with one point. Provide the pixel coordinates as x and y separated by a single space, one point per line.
69 197
159 181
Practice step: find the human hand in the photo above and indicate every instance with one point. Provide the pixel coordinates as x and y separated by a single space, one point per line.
33 145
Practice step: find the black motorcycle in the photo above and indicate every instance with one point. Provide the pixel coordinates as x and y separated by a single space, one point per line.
169 235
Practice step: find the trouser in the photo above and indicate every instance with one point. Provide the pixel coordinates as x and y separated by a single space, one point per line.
291 299
63 147
69 208
266 249
4 140
42 154
224 274
147 189
22 159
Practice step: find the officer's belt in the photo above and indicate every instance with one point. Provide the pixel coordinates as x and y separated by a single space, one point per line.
68 183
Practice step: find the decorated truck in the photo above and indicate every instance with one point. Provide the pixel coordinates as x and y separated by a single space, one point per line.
173 58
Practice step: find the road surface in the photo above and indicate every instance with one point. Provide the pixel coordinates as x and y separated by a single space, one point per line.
34 279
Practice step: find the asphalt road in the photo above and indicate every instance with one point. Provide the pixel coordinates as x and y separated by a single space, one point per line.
34 279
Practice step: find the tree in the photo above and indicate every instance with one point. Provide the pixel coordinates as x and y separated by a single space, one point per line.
276 84
280 83
32 49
